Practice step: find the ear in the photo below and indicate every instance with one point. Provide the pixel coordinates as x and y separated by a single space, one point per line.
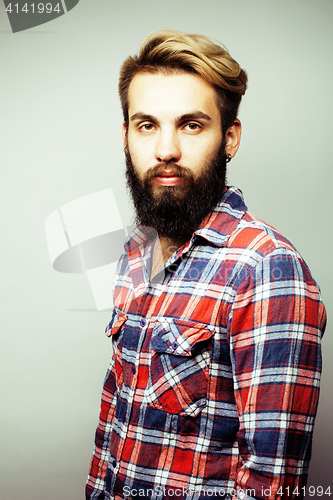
232 137
124 132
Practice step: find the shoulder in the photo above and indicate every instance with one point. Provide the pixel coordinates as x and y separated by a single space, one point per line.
253 234
262 254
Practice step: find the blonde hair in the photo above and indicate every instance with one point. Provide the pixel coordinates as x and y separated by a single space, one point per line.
170 51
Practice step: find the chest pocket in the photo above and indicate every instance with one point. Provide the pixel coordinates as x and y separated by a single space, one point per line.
179 366
117 321
115 330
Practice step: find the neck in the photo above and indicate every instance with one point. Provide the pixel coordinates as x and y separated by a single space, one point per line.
163 249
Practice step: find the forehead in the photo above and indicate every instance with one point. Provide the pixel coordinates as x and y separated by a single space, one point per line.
171 94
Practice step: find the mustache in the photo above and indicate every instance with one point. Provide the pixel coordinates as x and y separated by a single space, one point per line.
176 170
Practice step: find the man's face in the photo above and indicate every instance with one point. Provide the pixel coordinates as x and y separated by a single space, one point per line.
173 119
175 151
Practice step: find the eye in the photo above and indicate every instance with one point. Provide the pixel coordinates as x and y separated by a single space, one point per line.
146 127
193 126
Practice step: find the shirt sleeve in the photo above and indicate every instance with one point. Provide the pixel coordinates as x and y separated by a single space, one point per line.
95 487
275 329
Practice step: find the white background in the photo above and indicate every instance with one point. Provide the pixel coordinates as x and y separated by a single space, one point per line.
61 140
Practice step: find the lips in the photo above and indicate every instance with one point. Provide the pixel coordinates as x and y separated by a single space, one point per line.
167 178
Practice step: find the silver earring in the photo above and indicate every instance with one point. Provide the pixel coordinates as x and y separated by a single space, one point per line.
228 158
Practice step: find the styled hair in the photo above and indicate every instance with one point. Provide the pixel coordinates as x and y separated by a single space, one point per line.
170 51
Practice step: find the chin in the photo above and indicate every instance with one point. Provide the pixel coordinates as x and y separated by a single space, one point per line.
161 192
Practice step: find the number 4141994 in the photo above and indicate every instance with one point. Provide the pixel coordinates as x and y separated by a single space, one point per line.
312 491
39 8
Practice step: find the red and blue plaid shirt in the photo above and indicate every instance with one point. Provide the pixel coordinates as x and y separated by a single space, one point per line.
214 380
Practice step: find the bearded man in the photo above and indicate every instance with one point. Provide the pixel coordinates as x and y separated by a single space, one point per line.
214 380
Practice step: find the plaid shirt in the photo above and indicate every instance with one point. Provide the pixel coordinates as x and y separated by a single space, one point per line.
214 380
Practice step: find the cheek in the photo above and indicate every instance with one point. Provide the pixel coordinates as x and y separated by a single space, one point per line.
140 150
140 157
201 157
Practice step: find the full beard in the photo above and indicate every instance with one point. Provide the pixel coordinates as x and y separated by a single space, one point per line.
176 212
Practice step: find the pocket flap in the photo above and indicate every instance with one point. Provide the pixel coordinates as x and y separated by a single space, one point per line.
178 337
118 319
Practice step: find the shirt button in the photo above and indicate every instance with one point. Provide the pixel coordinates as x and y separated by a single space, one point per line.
133 369
143 323
174 345
114 463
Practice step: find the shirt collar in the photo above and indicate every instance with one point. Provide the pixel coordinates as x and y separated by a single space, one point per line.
219 225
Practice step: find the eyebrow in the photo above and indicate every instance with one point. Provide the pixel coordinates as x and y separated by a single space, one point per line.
195 115
143 116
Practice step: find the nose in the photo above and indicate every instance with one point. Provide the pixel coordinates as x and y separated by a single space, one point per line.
167 146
